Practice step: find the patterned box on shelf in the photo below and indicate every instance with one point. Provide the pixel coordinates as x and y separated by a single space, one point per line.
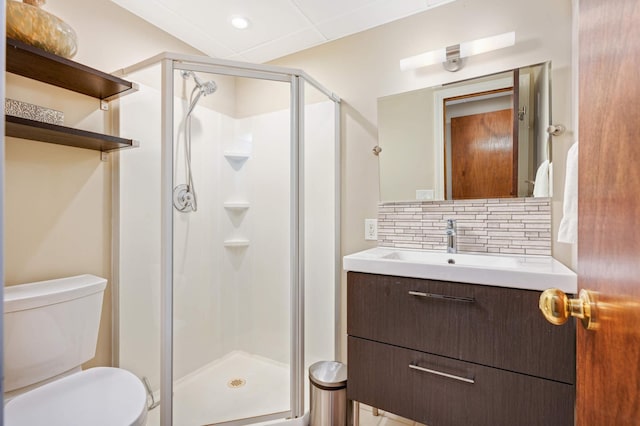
33 112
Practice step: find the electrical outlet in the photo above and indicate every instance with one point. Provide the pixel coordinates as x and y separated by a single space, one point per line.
371 229
424 194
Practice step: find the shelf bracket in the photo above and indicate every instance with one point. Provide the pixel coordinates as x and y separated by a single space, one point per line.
104 105
134 88
134 144
104 156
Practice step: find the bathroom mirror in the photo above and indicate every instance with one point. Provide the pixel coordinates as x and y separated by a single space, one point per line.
480 138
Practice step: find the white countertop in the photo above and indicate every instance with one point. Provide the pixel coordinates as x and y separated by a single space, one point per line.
514 271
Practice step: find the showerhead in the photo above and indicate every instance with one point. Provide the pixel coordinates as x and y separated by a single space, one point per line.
206 87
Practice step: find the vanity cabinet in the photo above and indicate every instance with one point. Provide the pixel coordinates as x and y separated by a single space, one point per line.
445 353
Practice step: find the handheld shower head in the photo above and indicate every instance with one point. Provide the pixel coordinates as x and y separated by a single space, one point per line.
206 87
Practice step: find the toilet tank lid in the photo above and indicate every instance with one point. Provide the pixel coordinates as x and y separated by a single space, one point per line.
33 295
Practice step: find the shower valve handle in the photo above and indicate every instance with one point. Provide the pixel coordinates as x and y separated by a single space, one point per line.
183 199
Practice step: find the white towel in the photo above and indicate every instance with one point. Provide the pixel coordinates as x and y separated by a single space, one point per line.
550 179
568 232
541 184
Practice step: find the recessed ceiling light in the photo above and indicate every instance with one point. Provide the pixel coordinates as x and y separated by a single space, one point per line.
239 22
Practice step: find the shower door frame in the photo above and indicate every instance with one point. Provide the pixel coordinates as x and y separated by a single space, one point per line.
171 62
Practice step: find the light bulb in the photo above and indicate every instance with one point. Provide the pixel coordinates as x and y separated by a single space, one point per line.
239 22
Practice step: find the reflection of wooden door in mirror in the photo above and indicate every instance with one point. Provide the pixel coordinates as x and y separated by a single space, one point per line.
482 153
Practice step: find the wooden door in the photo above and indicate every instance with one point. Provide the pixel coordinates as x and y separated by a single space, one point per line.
482 154
608 359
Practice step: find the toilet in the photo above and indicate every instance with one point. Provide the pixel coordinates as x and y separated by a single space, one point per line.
50 329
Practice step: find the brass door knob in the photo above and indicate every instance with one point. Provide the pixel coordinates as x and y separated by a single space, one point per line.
557 307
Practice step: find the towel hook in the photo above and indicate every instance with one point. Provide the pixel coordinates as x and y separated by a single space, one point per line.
556 129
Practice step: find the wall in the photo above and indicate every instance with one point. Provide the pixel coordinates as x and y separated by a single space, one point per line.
499 225
58 210
408 118
58 199
365 66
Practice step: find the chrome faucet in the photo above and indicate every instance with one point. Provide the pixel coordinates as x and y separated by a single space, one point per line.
451 236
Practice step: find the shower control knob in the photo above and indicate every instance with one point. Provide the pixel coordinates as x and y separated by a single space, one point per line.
183 198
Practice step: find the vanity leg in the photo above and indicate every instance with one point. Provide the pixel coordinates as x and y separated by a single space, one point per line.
356 413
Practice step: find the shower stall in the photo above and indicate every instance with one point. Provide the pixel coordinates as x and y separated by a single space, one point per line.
226 238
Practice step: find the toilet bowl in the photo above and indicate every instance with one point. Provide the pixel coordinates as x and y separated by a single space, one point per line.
50 330
99 396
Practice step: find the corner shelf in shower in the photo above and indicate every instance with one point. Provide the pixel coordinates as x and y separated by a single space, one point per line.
237 206
236 155
236 243
36 64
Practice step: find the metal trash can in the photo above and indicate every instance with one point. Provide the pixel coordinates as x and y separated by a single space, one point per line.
328 393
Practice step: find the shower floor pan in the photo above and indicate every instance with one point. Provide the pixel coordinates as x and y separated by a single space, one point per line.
236 386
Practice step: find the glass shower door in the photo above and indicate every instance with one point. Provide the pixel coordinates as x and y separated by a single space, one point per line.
232 260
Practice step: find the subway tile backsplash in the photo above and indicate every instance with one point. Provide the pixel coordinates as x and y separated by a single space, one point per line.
501 225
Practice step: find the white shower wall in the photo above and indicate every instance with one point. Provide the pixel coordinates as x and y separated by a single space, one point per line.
321 247
139 237
263 311
225 299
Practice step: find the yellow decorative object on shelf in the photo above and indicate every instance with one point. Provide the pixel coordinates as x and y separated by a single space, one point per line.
30 24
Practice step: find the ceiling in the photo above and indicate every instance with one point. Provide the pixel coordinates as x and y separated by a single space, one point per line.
277 27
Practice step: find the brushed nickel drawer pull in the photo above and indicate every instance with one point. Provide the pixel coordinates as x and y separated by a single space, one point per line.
443 297
440 373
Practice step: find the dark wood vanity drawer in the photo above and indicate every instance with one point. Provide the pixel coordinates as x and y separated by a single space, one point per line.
493 326
379 375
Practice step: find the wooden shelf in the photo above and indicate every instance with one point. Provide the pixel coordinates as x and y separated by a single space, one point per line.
34 63
44 132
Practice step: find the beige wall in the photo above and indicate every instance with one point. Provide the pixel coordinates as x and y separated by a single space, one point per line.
365 66
58 199
408 129
359 68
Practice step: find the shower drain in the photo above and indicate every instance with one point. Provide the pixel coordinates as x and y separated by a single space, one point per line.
236 383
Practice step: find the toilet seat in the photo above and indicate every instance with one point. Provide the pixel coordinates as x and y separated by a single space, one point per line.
100 396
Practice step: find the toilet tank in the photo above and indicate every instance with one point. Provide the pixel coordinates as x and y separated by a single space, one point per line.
50 327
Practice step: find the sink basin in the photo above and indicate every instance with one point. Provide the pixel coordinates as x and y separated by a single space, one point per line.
524 272
459 259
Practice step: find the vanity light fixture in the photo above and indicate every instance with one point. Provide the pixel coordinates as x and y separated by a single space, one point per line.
239 22
451 56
